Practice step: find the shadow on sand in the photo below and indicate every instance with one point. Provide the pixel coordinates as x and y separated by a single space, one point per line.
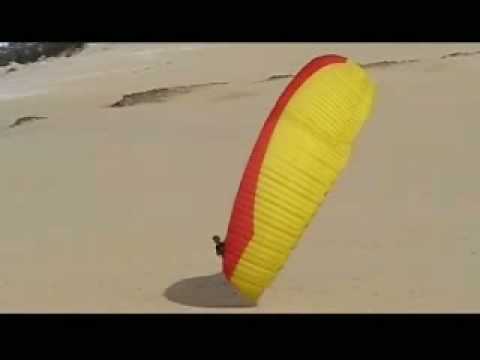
211 291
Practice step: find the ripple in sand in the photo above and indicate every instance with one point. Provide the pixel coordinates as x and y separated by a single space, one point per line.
388 63
25 119
278 77
160 94
461 53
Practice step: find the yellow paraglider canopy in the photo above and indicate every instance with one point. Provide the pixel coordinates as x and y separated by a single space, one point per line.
304 145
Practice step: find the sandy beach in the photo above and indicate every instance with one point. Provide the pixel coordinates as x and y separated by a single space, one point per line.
112 209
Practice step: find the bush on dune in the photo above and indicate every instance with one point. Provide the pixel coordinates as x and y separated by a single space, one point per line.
29 52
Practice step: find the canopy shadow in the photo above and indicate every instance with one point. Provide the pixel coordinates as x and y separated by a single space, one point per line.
212 291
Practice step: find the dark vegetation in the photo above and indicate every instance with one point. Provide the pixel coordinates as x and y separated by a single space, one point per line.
29 52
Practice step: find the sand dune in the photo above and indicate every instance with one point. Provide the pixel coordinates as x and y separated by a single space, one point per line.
112 209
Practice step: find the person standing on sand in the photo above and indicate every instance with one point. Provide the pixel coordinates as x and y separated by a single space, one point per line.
219 245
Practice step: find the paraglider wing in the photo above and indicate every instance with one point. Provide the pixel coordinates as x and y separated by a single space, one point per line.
304 145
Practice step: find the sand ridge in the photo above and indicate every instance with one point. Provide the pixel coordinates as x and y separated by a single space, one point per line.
25 119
